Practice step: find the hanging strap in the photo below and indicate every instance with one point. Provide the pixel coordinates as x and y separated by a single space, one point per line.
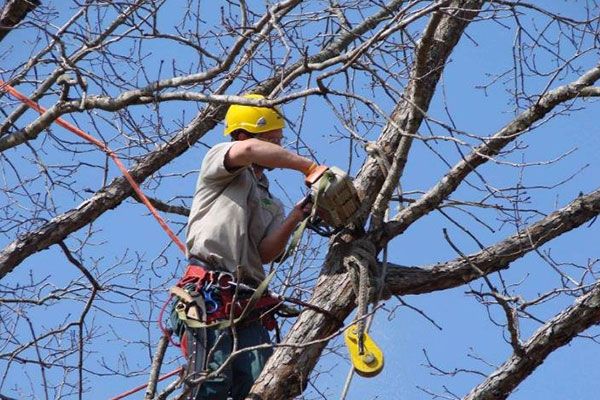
323 183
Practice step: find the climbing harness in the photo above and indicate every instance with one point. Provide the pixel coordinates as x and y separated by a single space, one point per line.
207 299
213 299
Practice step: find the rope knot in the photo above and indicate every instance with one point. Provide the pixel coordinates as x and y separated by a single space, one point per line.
361 263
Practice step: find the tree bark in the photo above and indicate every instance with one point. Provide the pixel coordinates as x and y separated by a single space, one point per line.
287 371
406 280
15 11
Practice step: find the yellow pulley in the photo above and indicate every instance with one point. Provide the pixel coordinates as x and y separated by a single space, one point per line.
369 362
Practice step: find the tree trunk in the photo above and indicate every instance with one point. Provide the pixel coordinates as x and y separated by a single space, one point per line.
287 371
15 11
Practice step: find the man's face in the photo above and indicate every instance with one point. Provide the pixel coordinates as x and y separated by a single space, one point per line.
275 136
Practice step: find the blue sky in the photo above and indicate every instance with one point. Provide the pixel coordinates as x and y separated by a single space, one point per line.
402 333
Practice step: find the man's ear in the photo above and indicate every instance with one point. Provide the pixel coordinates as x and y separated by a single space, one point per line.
240 135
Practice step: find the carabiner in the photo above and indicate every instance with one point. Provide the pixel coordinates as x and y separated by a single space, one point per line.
225 280
211 304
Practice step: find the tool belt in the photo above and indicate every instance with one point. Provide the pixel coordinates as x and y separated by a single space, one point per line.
206 298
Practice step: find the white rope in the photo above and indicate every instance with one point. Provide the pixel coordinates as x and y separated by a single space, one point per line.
376 152
363 292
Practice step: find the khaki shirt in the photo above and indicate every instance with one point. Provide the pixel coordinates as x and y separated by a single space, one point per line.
231 213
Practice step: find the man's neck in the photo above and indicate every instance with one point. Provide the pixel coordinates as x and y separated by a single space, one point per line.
258 171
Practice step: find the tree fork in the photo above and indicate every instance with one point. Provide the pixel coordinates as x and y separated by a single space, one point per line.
287 371
117 191
556 333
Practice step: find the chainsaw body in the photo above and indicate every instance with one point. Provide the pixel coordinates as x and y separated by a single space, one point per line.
335 197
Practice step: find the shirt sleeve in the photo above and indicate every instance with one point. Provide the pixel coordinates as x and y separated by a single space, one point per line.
213 169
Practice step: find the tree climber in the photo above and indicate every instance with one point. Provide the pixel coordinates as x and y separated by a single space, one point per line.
235 226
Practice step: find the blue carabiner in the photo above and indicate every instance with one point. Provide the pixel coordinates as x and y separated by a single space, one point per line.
211 304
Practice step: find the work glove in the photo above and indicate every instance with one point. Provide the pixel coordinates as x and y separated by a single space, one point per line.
313 173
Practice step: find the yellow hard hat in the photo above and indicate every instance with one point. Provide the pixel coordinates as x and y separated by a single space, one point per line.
253 119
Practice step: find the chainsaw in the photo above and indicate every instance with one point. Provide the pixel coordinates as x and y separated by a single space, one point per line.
334 197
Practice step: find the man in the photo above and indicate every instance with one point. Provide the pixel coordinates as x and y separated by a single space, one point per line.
236 226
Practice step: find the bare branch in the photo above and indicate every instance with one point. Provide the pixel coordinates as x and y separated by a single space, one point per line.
286 372
408 113
405 280
156 365
85 50
559 331
436 195
113 194
15 11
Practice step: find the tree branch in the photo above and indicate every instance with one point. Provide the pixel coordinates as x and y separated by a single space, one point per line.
148 94
109 196
113 194
559 331
86 49
286 373
593 91
406 280
440 38
165 207
157 361
450 182
421 68
151 93
15 11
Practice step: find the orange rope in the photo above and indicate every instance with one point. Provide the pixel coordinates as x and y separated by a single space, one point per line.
137 389
102 146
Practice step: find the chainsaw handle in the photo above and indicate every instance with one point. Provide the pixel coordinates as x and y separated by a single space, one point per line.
314 174
307 199
302 204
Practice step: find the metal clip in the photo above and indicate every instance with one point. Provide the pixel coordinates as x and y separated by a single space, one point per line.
212 305
225 280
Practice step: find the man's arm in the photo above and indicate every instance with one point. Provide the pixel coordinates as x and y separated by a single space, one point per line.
274 243
266 154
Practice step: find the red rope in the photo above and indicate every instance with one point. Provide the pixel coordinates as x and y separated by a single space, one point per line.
137 389
102 146
161 325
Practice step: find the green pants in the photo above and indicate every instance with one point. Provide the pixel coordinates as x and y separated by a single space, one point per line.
238 376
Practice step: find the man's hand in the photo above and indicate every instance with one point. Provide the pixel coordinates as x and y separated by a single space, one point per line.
273 245
302 209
